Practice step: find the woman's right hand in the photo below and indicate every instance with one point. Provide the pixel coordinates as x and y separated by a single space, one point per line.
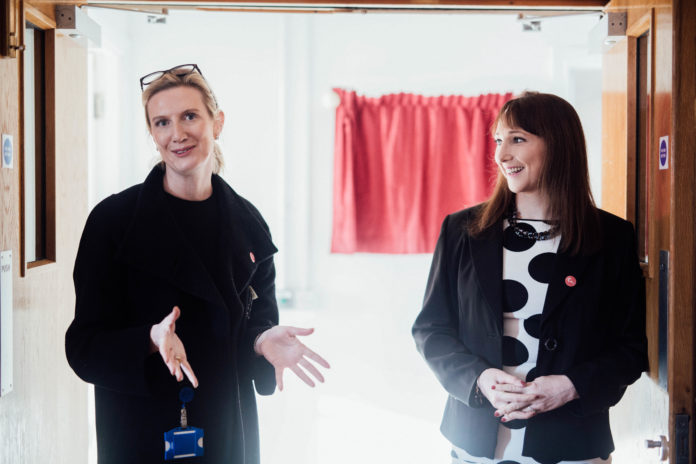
503 390
164 339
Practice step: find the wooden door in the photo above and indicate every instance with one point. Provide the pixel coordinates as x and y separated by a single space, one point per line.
648 178
42 417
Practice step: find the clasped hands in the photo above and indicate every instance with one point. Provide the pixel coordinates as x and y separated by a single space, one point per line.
279 345
513 398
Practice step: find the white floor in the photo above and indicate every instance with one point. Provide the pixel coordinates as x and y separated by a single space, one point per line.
380 403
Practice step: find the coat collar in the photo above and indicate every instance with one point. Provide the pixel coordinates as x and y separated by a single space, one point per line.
244 235
154 243
487 255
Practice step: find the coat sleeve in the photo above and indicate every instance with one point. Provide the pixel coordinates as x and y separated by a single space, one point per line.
436 327
263 316
101 347
602 381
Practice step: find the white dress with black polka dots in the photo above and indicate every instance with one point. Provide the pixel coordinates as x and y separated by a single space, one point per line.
527 268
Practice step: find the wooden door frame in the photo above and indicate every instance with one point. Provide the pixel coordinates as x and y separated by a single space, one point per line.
344 5
682 289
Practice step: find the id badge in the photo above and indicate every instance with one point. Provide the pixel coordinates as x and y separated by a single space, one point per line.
184 441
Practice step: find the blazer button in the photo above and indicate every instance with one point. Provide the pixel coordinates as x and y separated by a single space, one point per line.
550 344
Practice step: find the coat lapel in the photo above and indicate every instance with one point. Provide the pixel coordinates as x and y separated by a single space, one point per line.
567 267
155 244
487 254
244 238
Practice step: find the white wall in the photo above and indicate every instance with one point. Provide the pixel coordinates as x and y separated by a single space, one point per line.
273 76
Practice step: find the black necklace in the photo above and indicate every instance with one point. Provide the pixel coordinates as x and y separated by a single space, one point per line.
520 232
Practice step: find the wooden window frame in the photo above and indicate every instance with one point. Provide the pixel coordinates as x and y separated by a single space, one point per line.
47 25
643 26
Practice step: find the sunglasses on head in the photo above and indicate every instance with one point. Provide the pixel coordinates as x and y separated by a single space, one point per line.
179 71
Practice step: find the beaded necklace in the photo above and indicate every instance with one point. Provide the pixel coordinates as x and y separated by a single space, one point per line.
520 232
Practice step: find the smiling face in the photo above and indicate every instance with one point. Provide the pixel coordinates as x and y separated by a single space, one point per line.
520 157
184 133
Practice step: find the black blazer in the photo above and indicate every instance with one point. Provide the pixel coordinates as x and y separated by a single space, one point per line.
133 265
593 332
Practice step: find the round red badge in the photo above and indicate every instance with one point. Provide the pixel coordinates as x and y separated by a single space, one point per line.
252 257
570 281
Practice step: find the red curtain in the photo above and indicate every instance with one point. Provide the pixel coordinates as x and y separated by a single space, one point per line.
403 162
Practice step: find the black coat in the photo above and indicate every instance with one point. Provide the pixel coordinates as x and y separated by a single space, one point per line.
593 332
133 265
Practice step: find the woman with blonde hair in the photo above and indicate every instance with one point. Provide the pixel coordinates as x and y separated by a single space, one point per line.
174 283
534 313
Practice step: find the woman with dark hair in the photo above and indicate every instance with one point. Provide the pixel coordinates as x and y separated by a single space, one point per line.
174 283
534 314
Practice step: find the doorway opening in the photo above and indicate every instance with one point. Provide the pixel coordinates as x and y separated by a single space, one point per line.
273 74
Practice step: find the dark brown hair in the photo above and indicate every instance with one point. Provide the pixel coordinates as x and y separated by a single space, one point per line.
564 176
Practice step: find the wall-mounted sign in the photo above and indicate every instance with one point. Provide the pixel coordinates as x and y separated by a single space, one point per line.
664 152
7 151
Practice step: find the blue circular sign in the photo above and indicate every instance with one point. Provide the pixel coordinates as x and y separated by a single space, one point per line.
7 152
663 152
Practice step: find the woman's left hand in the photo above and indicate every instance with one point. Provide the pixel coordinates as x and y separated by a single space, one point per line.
552 392
281 347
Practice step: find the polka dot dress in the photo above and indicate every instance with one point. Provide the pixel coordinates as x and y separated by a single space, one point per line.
527 268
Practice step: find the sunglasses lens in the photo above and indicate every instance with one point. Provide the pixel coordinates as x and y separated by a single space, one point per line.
183 70
152 77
